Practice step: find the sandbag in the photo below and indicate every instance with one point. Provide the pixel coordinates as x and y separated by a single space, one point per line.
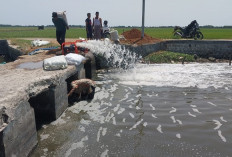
62 14
74 59
55 63
39 42
114 35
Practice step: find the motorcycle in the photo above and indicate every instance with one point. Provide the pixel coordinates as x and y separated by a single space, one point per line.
191 31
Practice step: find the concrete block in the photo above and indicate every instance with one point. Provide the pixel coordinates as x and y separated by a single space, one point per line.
19 137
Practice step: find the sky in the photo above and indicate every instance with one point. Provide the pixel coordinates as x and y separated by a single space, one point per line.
119 12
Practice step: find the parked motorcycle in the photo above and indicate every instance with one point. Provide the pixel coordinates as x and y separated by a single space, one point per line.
191 31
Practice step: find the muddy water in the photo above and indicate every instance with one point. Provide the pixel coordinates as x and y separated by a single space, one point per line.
153 110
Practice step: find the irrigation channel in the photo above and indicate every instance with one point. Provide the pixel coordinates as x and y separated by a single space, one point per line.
145 111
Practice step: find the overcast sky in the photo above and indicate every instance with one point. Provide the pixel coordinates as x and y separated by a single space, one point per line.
119 12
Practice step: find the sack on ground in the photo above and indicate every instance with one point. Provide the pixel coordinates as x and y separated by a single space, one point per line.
74 59
55 63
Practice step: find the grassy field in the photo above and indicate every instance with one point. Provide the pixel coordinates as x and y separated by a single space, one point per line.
74 32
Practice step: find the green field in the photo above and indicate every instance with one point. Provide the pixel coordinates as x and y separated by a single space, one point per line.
75 32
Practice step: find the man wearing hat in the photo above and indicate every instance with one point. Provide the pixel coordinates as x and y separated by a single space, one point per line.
61 27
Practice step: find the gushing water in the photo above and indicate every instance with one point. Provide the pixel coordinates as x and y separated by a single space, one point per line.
117 56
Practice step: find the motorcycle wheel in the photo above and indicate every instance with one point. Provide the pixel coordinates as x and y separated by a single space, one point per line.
178 35
198 36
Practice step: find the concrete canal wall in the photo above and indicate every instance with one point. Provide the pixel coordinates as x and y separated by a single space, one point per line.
205 48
29 97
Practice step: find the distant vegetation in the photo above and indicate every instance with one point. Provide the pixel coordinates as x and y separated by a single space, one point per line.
8 31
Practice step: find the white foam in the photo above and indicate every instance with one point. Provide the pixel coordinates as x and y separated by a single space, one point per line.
132 116
114 120
99 134
130 100
126 97
179 121
149 95
221 136
124 120
121 110
222 119
145 124
109 116
178 135
76 145
105 153
159 128
192 115
153 115
196 110
153 108
59 121
135 126
211 103
137 108
81 128
116 108
44 137
218 124
118 135
104 131
190 75
173 110
173 119
193 105
139 95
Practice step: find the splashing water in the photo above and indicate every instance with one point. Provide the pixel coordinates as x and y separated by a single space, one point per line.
117 56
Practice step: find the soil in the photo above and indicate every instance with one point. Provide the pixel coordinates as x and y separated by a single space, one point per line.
134 37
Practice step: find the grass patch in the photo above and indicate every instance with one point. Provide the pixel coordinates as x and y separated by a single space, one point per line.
168 57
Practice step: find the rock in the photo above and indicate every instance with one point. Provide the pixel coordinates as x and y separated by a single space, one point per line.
212 59
195 56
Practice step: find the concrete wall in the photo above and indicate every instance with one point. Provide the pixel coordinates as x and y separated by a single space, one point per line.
20 136
40 95
203 48
216 49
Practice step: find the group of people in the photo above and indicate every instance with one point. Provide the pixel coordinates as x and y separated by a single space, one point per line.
93 28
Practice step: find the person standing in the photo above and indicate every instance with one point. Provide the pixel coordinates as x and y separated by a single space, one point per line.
97 25
88 26
61 27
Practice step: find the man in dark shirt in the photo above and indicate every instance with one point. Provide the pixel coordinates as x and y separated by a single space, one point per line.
61 27
88 25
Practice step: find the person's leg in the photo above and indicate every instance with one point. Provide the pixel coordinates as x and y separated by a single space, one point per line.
90 34
58 37
62 37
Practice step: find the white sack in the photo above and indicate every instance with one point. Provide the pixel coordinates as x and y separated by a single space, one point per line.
39 42
74 59
55 63
62 14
